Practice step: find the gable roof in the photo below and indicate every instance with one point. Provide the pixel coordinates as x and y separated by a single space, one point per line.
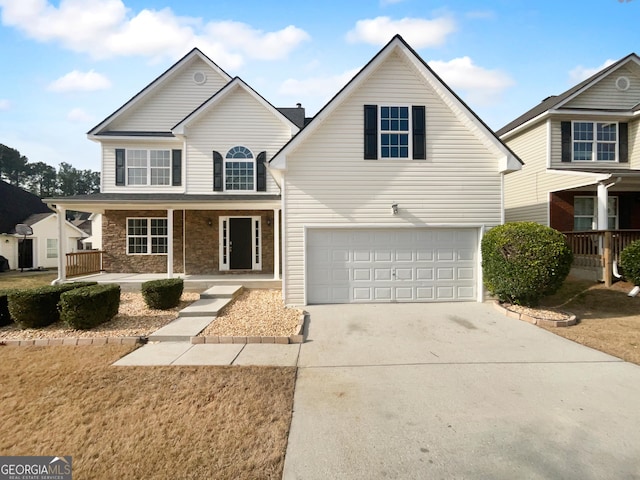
16 205
397 43
153 86
224 92
556 101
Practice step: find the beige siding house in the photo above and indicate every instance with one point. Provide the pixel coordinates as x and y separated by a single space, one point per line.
387 192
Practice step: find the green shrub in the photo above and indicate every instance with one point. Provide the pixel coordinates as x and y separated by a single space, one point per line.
630 262
162 294
524 261
85 308
38 307
5 316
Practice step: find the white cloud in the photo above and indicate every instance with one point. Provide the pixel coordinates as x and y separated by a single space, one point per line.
581 73
107 28
418 32
80 81
477 84
79 115
4 104
320 87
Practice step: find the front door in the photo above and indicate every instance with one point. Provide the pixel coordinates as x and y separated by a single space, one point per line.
240 243
25 253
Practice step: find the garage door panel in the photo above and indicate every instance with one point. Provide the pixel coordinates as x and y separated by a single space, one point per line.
386 265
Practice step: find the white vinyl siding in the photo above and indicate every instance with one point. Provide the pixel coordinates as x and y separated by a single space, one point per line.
171 102
328 181
604 95
239 119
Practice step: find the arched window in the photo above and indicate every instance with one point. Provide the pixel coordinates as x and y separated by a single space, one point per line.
239 169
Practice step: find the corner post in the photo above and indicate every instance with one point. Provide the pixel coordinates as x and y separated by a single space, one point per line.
276 244
169 242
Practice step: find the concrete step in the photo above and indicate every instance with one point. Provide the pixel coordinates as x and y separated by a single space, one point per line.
222 291
205 307
181 329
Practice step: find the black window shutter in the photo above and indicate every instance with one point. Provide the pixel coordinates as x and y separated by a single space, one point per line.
565 128
218 186
261 172
176 167
419 132
120 166
370 132
623 142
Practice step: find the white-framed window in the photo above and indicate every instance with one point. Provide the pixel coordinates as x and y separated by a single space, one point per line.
147 236
148 167
239 170
585 213
225 251
594 141
52 248
395 133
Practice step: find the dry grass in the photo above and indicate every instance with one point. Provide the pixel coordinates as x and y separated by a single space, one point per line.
144 422
609 320
25 279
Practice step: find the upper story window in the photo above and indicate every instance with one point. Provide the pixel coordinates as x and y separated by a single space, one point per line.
595 141
148 167
239 169
394 132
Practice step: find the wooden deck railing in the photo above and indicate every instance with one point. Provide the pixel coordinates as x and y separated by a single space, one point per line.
600 248
84 263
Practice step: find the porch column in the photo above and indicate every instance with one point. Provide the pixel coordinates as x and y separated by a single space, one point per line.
603 215
62 254
276 244
169 242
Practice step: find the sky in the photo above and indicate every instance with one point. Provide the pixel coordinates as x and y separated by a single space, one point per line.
66 65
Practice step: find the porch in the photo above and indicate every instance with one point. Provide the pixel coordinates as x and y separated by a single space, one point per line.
595 252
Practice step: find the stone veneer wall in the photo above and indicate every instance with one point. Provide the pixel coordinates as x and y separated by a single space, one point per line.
201 252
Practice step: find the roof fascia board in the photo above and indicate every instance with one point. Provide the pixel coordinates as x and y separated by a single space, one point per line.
138 138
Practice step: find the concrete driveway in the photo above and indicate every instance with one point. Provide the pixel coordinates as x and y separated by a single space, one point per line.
457 391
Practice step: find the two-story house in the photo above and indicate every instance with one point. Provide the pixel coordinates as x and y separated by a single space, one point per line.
184 185
581 151
383 197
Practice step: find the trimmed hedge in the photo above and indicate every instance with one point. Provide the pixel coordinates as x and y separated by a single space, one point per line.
524 261
38 307
5 316
630 262
85 308
162 294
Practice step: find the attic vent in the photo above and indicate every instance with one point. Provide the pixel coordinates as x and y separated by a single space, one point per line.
199 78
623 83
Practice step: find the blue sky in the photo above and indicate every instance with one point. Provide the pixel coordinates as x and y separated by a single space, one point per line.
68 64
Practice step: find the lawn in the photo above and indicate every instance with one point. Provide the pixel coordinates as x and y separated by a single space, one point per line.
144 422
26 279
609 320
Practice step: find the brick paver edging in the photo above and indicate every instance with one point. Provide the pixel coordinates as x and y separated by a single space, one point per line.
572 320
50 342
298 337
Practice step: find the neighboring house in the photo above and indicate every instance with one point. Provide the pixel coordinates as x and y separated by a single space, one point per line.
94 240
581 151
184 183
384 195
39 250
388 190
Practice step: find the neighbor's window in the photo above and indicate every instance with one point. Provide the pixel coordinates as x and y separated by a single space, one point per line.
239 169
52 248
147 236
585 213
394 132
148 167
595 141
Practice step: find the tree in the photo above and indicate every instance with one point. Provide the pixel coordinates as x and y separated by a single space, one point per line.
41 179
13 166
72 181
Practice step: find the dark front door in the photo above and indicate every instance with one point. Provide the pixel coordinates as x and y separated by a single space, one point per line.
240 241
25 253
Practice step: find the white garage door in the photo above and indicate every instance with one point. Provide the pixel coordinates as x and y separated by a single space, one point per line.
391 265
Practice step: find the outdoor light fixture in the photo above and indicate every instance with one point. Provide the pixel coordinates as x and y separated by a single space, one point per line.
268 221
209 222
394 209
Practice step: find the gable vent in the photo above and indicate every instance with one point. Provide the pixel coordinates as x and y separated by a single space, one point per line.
623 83
199 78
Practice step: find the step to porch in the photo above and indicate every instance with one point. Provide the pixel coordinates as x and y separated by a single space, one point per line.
205 307
181 329
222 291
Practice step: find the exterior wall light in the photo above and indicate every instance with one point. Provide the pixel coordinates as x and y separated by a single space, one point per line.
394 209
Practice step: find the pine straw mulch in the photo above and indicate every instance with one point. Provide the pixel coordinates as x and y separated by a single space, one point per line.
144 422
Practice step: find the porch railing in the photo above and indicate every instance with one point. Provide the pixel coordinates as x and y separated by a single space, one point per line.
600 248
84 263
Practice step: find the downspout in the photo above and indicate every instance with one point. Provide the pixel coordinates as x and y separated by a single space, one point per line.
62 264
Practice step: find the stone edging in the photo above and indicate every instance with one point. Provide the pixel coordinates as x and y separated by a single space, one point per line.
298 337
534 320
72 341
